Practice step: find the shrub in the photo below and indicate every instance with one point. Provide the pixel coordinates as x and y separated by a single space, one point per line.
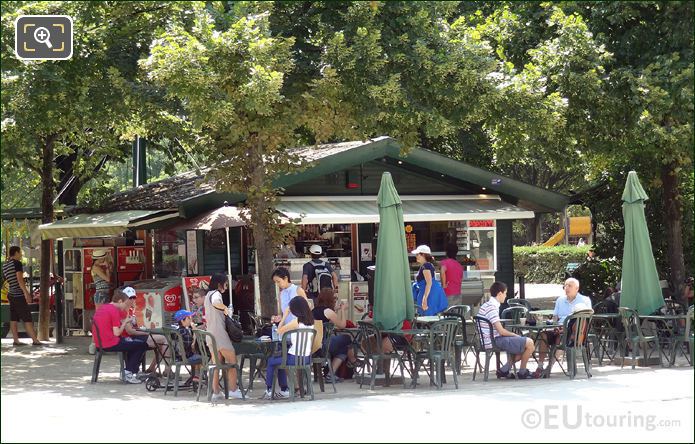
546 265
595 275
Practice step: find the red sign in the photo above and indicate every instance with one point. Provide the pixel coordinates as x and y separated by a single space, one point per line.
171 301
481 223
191 284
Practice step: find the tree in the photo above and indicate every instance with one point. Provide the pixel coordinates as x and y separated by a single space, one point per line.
57 108
255 79
652 72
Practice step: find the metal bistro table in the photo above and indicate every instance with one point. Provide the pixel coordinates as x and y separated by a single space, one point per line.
667 328
604 327
418 334
537 332
255 350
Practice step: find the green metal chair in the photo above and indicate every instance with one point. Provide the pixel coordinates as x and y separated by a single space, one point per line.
179 359
325 359
483 324
374 354
210 365
462 344
518 302
514 313
440 349
634 337
683 337
100 352
575 334
303 338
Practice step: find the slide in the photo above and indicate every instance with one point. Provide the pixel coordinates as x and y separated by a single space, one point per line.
555 239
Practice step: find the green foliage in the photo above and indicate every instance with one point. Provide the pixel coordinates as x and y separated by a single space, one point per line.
596 275
546 265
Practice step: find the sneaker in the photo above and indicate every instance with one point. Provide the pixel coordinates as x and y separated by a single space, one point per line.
267 395
236 394
92 349
336 379
282 394
216 397
132 379
525 375
539 373
503 375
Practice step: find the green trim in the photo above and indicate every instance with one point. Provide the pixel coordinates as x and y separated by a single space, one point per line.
540 199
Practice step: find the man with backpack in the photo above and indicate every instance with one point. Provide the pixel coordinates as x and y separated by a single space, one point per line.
318 274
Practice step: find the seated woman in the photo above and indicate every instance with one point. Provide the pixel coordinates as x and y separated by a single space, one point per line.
302 318
339 347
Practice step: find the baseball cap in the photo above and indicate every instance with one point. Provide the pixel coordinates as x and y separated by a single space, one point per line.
182 314
130 291
422 249
315 249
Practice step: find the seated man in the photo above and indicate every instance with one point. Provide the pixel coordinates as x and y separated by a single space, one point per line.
564 306
111 325
520 347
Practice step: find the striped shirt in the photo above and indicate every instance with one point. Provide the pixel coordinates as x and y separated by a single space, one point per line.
490 311
9 272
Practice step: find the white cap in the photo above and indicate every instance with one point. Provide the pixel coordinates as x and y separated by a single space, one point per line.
422 249
130 291
315 249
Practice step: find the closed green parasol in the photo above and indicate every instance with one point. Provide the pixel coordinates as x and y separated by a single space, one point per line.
393 294
639 286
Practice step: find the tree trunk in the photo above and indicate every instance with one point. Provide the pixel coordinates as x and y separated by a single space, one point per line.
264 255
674 232
47 192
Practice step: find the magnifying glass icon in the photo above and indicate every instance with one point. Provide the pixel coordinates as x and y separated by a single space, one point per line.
42 35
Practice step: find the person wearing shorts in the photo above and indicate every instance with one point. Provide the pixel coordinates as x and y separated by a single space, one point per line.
18 296
519 347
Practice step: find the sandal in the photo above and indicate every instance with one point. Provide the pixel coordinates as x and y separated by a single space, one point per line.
19 344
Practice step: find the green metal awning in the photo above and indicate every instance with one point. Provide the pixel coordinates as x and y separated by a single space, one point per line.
105 224
337 210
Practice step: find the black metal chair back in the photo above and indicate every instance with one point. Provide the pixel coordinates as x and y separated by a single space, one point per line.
460 310
517 302
514 313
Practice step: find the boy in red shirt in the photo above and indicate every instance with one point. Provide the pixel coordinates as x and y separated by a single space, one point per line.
111 325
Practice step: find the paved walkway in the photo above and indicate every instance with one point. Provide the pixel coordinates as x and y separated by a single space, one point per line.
47 396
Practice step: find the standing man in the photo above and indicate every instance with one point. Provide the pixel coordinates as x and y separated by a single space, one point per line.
318 274
18 296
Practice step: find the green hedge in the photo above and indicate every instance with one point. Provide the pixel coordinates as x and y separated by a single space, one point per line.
546 265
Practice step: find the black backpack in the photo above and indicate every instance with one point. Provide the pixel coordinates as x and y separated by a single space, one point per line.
322 277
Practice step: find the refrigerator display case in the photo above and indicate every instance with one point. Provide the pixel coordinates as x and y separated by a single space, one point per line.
156 301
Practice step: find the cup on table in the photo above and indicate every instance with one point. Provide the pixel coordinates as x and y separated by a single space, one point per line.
522 321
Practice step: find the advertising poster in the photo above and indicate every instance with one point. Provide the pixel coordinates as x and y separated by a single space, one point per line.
190 285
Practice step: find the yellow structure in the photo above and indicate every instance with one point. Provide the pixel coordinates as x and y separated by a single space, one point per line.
579 226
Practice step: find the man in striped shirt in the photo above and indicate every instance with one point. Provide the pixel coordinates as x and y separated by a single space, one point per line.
18 296
520 347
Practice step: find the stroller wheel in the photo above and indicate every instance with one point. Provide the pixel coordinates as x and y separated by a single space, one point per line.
152 384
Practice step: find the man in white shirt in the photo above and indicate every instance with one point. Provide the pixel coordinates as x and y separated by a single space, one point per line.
564 306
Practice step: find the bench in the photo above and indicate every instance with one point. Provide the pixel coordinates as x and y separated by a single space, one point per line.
5 318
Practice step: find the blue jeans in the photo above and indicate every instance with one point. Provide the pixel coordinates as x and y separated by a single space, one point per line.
133 352
275 361
339 345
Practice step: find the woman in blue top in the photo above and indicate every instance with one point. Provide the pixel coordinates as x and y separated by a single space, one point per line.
430 297
288 290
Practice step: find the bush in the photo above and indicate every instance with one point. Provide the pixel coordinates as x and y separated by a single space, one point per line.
596 275
546 265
